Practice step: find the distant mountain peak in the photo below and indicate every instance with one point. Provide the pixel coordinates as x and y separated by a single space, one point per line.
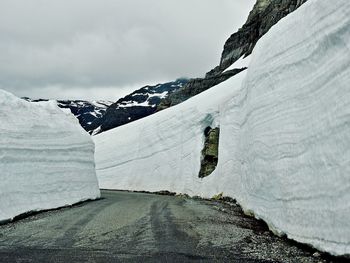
101 115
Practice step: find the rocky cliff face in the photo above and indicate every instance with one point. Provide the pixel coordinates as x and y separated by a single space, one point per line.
96 117
210 152
194 87
100 116
141 103
265 14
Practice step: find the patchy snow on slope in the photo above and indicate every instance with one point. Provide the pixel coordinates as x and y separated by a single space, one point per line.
46 158
147 102
284 150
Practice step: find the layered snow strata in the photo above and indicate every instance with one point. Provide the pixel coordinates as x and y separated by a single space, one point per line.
284 146
163 151
287 135
46 158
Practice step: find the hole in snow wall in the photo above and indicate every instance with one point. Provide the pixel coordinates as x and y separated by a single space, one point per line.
210 152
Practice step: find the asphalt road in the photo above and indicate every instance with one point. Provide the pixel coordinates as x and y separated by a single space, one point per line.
135 227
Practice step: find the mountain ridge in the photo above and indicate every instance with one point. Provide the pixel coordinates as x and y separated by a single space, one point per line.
264 15
101 115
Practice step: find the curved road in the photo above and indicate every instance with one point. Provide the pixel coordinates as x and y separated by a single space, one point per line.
135 227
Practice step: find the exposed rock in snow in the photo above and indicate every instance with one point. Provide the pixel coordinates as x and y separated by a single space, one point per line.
210 152
265 14
196 86
139 104
284 145
99 116
85 111
46 158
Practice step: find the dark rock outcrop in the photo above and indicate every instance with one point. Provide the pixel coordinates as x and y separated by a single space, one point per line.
99 116
210 152
85 111
264 15
118 116
141 103
194 87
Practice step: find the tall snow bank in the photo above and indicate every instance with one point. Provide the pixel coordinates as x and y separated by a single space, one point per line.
163 151
288 132
46 159
284 150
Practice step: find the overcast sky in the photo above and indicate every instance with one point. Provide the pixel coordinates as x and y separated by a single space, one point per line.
103 49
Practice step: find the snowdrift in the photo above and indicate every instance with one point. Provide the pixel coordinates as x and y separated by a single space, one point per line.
46 158
284 150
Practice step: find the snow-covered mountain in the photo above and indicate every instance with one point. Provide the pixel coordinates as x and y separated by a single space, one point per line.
85 111
46 158
284 137
139 104
99 116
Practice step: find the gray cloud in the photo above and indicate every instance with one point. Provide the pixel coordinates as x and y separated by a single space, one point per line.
106 48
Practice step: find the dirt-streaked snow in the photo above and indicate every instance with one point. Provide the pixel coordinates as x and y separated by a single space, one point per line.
284 150
46 158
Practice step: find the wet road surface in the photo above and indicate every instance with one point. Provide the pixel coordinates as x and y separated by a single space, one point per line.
137 227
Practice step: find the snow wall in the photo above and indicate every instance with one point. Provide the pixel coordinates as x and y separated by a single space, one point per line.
46 158
284 150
